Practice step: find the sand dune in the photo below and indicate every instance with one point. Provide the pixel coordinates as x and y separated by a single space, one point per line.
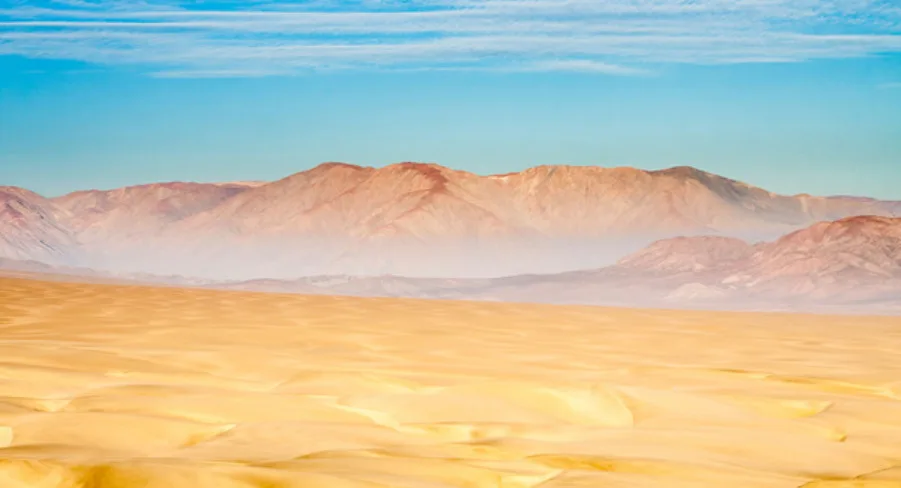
111 386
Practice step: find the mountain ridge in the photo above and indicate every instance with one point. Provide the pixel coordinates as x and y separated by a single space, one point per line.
412 218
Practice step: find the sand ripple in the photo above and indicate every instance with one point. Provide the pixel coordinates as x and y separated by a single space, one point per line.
129 387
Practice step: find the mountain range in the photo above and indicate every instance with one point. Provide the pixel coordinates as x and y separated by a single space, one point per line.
408 219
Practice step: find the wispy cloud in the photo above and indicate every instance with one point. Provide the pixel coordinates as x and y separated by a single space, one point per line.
581 66
894 85
614 37
220 73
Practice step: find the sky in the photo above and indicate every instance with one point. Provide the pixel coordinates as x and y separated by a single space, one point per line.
796 96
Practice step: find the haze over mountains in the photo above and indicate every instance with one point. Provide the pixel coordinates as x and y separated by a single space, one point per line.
407 219
849 265
852 264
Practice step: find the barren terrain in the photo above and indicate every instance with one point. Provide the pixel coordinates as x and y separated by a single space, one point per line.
406 219
114 386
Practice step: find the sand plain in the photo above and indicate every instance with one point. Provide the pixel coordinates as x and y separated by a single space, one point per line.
112 386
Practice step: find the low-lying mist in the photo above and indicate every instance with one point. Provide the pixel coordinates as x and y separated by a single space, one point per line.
296 258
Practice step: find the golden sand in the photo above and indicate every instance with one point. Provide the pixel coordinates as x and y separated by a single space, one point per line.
110 386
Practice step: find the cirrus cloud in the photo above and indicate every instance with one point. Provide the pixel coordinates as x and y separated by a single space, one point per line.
615 37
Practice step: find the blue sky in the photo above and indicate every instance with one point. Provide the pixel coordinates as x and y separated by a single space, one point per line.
792 95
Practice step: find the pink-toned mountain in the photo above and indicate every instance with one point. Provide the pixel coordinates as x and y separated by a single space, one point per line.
140 211
425 220
33 227
851 259
855 256
428 220
427 200
689 255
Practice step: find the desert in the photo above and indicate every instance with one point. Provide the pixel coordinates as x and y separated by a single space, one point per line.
127 386
450 244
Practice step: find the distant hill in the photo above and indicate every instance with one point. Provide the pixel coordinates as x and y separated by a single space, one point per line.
33 227
410 219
